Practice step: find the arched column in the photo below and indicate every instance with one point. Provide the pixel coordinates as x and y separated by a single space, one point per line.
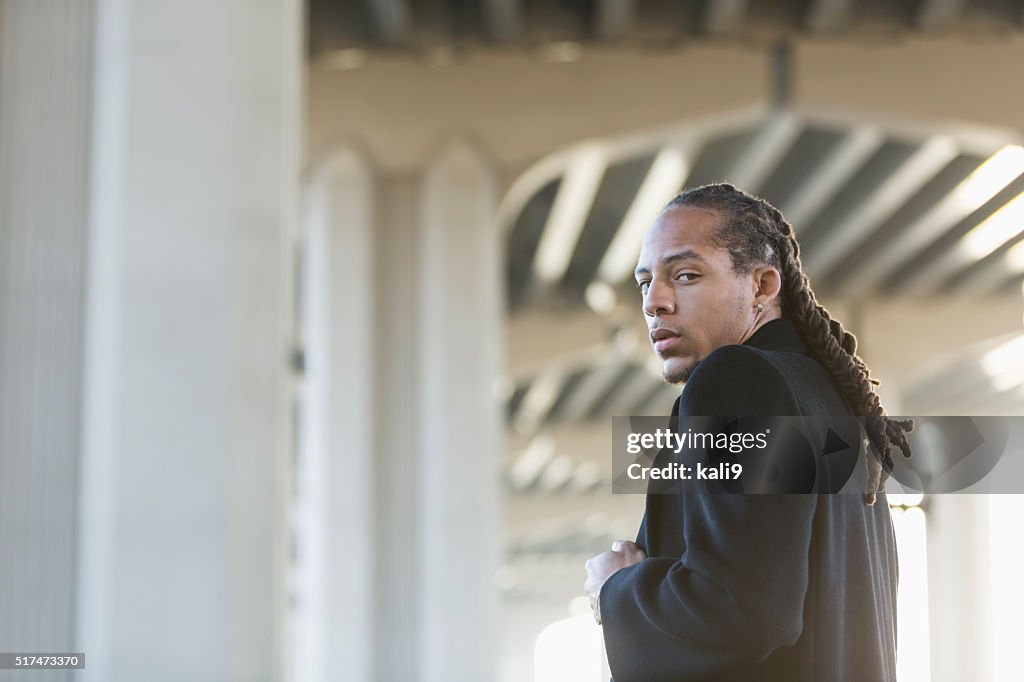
460 356
334 507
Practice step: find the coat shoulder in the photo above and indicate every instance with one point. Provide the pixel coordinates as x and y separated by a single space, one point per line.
739 380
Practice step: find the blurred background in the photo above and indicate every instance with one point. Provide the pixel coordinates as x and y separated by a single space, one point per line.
314 315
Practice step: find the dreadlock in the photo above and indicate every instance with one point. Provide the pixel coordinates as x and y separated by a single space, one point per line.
755 233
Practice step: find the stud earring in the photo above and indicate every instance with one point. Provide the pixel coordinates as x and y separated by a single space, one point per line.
760 307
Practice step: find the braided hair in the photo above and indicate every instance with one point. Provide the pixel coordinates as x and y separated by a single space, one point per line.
755 233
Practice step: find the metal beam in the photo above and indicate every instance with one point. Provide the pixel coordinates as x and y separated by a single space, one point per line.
391 20
764 152
828 15
978 189
890 195
539 399
993 273
590 389
836 171
939 13
724 16
569 213
664 179
503 19
614 18
632 395
530 463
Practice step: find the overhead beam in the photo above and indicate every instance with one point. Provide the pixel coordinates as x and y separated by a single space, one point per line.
939 13
391 19
855 149
764 153
631 396
724 16
539 399
993 273
911 176
975 191
828 15
503 19
569 213
614 18
593 386
663 180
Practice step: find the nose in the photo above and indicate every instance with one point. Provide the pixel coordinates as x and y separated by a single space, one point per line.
658 300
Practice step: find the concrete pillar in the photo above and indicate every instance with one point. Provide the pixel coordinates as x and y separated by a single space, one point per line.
335 525
45 52
398 466
183 543
398 495
460 355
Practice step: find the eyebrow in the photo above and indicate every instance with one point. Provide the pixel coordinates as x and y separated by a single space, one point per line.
688 254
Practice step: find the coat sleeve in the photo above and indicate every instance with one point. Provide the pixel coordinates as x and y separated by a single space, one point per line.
737 592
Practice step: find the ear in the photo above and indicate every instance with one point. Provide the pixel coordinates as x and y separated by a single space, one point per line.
767 283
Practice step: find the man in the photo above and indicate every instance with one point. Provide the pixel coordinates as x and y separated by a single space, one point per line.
759 587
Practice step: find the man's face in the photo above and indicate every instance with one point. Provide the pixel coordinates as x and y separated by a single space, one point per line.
692 300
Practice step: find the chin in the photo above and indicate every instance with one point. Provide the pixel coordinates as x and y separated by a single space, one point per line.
675 370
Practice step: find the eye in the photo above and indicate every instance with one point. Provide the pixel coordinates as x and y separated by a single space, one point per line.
692 275
644 285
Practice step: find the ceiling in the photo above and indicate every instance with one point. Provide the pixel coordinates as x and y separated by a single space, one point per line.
881 208
411 25
877 207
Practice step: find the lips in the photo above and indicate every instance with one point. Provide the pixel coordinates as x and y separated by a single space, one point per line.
663 338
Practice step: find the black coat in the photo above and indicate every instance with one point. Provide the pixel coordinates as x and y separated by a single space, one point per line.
760 587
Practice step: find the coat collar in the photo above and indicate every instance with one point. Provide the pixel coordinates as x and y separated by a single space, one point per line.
779 334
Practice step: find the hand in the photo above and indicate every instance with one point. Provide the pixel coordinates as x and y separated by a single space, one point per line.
599 568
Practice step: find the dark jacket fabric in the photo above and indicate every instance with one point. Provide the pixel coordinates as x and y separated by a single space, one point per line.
758 587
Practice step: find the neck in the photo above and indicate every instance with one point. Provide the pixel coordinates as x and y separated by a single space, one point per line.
759 321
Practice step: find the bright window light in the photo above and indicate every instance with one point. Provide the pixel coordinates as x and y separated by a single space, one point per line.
1005 513
1003 357
992 176
570 650
996 230
600 297
1015 257
913 657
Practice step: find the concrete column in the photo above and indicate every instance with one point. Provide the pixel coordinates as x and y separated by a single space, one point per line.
398 547
185 468
959 587
335 525
460 354
398 490
45 53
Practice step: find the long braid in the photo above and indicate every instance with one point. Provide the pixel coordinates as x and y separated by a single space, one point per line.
756 233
